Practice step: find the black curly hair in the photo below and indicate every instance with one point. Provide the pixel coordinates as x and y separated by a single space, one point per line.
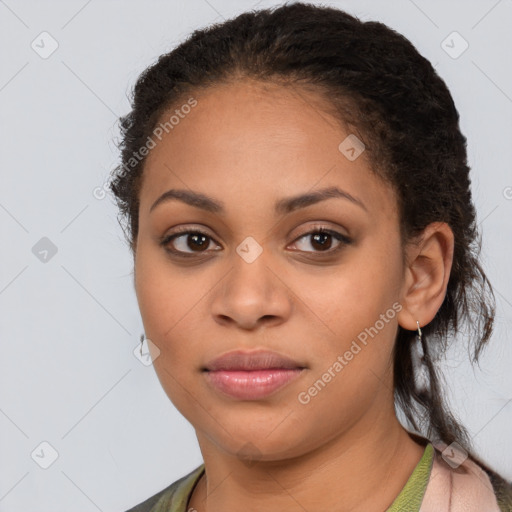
376 82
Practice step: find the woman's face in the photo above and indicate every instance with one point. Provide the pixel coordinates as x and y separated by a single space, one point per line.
256 280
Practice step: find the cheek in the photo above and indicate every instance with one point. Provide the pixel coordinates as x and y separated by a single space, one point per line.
165 311
171 309
350 297
159 296
355 314
151 291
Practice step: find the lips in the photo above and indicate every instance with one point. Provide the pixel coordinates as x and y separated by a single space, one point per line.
256 360
251 375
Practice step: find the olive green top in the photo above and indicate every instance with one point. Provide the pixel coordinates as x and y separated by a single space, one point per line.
175 498
412 493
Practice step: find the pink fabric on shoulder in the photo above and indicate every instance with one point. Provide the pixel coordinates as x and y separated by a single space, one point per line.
458 488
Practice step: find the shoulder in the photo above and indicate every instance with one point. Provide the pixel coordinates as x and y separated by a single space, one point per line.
465 486
174 495
502 489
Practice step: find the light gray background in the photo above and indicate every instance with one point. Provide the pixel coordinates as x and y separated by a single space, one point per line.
69 326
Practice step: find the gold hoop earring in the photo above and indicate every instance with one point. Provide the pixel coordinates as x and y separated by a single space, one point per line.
418 358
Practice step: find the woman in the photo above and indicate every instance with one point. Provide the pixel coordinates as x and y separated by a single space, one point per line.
298 206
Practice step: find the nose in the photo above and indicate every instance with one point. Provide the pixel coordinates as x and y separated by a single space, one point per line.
252 294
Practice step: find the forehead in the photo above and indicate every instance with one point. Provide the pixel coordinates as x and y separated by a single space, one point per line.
273 140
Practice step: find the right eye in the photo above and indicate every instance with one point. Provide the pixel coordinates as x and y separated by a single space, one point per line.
191 239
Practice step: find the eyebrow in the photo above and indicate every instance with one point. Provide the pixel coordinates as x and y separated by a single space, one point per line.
282 206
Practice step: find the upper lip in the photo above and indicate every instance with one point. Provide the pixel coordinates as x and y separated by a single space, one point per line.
255 360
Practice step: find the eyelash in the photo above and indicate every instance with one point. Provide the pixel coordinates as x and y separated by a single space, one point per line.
165 241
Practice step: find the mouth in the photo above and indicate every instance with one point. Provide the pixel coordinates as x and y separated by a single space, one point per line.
251 375
250 361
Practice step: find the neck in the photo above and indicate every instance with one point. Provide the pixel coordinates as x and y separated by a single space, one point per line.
363 469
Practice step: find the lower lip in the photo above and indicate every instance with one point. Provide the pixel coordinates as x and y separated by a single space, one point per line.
251 385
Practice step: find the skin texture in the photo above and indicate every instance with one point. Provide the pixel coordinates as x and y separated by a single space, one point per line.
248 145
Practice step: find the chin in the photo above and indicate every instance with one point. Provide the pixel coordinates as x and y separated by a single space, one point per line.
257 444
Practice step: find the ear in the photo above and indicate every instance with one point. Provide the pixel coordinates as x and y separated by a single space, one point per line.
428 265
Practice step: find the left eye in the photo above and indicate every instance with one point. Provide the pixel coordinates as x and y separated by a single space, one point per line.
322 238
198 241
